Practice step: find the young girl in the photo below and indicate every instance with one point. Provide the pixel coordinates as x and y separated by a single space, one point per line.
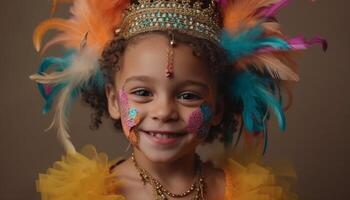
172 75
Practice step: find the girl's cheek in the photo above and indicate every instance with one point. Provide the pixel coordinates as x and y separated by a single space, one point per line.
130 117
198 122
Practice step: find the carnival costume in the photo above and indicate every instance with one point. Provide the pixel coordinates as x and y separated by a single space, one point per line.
246 29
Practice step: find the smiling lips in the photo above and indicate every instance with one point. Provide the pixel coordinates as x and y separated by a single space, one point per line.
164 137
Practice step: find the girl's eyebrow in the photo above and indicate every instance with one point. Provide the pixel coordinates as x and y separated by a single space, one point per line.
197 83
182 84
137 78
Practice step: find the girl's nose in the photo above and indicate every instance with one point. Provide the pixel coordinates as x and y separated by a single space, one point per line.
164 110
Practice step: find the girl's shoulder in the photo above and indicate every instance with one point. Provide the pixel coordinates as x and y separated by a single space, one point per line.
90 175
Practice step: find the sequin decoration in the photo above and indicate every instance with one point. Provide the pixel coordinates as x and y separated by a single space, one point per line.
198 122
130 118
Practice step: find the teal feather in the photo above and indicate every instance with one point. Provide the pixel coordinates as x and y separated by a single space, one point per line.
257 96
249 42
50 98
47 63
58 64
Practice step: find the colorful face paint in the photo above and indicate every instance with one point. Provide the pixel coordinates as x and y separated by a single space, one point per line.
198 122
130 118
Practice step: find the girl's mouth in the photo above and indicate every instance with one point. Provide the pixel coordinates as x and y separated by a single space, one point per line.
160 137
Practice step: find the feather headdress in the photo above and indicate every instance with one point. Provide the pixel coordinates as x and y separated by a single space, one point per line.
260 54
84 34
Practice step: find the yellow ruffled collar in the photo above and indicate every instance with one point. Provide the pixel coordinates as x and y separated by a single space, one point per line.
87 176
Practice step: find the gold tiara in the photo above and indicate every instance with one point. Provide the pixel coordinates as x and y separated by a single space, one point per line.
172 15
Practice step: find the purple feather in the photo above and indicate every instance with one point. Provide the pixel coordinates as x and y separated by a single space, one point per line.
300 43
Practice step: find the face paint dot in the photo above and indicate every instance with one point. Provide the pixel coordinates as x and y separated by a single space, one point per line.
198 122
129 117
132 117
195 121
123 98
132 113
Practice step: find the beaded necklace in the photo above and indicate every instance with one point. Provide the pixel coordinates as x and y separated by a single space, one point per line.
161 193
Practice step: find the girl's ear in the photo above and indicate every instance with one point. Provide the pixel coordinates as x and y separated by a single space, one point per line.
219 112
113 107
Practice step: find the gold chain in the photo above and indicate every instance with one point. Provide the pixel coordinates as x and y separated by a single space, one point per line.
161 192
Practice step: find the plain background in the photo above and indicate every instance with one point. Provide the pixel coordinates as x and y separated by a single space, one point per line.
317 136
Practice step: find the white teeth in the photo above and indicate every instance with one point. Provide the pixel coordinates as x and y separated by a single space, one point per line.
163 136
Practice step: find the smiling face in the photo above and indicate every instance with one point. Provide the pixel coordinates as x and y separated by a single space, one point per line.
164 118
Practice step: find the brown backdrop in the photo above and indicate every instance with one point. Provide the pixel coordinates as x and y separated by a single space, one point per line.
316 138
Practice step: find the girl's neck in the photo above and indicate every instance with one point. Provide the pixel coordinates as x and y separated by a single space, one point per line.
176 174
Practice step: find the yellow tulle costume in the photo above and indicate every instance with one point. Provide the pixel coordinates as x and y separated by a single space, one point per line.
87 176
79 176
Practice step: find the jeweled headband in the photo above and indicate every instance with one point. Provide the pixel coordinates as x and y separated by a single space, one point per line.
248 32
184 16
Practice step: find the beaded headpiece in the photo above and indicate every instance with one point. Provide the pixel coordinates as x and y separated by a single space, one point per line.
181 15
261 55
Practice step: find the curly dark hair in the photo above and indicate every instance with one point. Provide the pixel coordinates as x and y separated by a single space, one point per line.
211 54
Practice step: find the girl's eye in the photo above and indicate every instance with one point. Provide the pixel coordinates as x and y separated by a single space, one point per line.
142 92
189 96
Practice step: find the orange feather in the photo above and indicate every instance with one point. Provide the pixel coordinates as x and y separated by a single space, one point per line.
56 23
242 13
98 18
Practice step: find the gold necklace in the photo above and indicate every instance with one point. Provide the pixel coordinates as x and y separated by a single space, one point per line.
161 192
